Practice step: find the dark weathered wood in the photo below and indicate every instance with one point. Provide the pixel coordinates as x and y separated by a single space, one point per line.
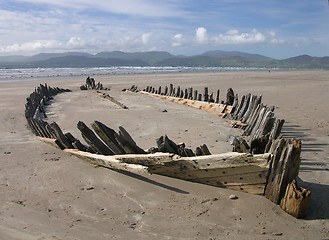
170 89
229 96
296 200
90 137
217 96
127 140
165 91
178 92
284 168
57 131
253 120
198 151
263 112
195 96
264 126
108 135
244 108
236 111
205 95
205 149
276 131
251 108
185 93
166 145
112 99
235 104
43 126
211 98
190 93
240 145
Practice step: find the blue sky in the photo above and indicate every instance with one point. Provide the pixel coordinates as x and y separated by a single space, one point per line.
275 28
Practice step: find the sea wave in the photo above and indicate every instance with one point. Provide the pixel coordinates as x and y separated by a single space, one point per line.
28 73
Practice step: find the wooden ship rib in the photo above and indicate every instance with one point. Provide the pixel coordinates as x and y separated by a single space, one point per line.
261 162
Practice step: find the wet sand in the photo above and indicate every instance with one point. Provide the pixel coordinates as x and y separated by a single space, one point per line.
48 194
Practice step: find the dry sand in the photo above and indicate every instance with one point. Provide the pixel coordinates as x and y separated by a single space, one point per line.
48 194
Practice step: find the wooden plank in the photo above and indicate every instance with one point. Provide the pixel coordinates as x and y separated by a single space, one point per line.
90 137
127 141
57 131
108 136
112 99
219 109
296 200
244 108
229 96
205 94
165 146
236 111
284 168
238 171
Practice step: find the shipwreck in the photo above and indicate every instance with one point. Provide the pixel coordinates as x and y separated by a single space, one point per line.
261 161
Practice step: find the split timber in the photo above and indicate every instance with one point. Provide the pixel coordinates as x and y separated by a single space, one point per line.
264 164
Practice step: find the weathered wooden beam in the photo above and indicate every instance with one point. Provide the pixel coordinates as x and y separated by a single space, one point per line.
217 96
108 136
178 92
219 109
229 96
112 99
165 91
57 131
195 95
284 168
126 140
91 139
205 95
296 200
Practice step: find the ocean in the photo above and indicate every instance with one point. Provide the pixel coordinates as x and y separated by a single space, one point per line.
28 73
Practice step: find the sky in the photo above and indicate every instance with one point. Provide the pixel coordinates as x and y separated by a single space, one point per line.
274 28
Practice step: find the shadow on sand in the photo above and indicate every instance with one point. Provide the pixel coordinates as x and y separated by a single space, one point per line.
309 144
145 179
318 206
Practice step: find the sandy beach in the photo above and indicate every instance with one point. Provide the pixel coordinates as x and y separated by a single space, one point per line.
46 193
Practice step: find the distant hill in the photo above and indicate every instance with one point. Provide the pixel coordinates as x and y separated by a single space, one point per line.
148 57
248 56
306 61
82 61
159 58
46 56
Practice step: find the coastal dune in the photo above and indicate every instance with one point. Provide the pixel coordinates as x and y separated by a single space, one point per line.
46 193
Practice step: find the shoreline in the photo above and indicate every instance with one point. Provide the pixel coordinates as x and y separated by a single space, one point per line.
179 70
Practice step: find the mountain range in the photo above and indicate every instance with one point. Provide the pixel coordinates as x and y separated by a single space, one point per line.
159 58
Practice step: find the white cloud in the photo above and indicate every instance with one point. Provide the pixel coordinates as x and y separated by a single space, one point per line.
34 46
146 38
178 40
274 39
201 35
147 8
235 37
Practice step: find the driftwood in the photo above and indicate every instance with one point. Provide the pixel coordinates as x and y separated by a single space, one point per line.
92 85
296 200
219 109
230 170
166 145
284 168
112 99
90 137
109 137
